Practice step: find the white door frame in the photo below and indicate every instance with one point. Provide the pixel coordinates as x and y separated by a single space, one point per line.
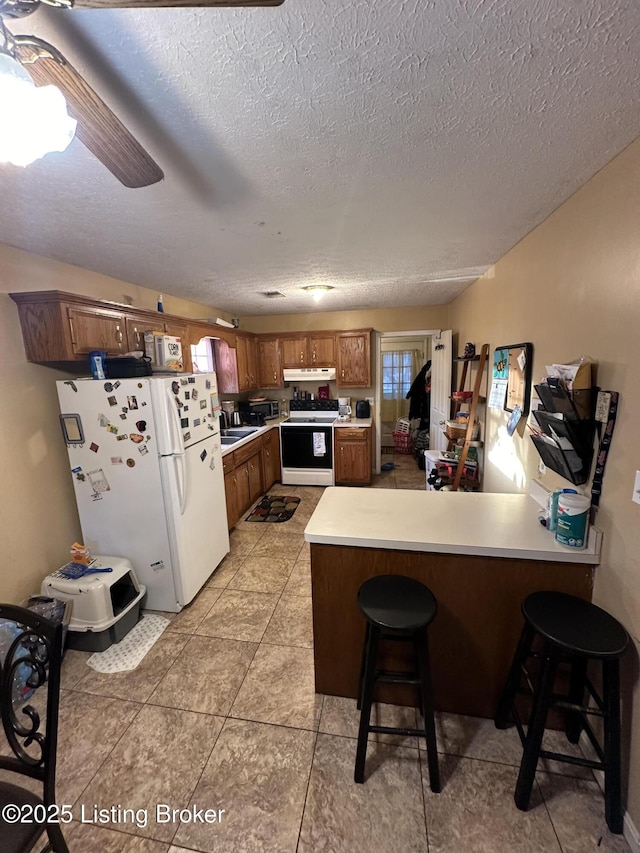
420 333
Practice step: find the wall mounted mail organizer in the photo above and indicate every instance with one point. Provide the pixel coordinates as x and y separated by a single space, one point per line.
565 437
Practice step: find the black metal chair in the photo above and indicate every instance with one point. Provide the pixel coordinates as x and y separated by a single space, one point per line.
30 660
572 631
400 609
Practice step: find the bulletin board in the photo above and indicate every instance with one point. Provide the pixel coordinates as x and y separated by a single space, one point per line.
512 365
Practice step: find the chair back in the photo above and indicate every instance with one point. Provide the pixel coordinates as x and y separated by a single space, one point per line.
30 661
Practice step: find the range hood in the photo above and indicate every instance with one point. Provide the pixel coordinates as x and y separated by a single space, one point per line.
309 374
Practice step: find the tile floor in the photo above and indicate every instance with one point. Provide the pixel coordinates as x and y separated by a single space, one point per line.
222 714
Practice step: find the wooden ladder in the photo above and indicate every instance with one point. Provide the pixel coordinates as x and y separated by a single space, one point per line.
484 355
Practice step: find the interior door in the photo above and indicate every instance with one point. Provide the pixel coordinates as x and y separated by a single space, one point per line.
441 359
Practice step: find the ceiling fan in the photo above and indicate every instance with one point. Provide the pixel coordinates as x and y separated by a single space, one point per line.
97 126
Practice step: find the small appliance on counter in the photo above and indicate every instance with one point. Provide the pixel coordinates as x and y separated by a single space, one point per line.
363 409
269 409
344 407
106 602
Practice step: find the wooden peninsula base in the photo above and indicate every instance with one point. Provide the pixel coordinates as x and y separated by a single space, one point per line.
473 637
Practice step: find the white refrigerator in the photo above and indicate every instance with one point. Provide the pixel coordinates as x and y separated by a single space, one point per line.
146 462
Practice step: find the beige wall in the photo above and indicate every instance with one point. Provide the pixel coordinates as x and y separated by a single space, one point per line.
381 319
39 519
572 288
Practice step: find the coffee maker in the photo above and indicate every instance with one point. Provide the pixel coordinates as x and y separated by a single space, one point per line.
344 407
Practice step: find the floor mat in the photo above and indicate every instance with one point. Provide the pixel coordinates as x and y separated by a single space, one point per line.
274 508
129 652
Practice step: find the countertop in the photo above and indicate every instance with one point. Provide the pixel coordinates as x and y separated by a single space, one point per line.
475 523
272 424
229 448
354 422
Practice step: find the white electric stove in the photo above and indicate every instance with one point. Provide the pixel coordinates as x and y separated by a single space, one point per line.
306 443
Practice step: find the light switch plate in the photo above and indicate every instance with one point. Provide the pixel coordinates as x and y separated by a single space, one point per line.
635 497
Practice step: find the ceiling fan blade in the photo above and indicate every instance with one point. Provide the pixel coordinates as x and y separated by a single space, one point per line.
98 128
154 4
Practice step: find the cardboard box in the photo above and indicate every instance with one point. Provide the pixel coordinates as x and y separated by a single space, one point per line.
165 352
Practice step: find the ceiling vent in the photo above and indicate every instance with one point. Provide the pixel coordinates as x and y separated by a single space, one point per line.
272 294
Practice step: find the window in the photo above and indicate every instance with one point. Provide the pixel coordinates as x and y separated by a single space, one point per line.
397 374
201 357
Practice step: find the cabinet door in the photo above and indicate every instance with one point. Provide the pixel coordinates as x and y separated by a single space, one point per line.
135 329
243 358
293 352
322 350
230 492
354 360
353 456
93 329
269 369
226 367
252 361
271 458
243 494
255 476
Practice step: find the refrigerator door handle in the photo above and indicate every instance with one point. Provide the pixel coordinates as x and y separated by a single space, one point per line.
181 480
177 445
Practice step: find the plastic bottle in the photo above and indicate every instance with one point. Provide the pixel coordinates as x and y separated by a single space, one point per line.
160 304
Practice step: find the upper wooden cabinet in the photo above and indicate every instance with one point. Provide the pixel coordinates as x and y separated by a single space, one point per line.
62 328
247 363
236 367
322 350
293 351
313 350
354 359
90 329
269 365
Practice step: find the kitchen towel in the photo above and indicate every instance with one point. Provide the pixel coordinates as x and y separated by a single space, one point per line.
319 444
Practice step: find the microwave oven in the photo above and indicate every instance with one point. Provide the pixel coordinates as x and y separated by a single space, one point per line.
269 408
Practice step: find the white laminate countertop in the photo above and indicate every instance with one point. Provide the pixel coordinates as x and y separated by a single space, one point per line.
353 422
475 523
229 448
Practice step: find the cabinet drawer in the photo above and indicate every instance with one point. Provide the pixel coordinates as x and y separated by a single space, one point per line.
246 452
228 462
351 434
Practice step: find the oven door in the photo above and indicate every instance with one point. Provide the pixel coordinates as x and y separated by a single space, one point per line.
308 447
307 455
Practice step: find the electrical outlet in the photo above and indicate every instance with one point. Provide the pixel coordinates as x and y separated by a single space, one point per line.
635 497
542 468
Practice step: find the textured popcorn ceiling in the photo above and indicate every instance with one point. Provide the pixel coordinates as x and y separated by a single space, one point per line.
392 149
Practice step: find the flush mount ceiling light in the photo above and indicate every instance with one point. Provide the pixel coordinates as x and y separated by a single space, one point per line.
318 290
34 119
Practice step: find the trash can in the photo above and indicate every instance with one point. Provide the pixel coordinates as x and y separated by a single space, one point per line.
431 459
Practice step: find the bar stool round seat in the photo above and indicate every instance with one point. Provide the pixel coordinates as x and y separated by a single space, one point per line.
575 625
397 603
396 608
572 631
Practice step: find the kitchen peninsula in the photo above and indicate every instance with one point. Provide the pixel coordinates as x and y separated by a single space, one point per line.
481 554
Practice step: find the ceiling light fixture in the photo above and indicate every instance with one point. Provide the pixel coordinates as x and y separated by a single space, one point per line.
318 290
34 119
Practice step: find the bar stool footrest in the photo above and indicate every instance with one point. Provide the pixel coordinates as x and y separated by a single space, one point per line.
391 730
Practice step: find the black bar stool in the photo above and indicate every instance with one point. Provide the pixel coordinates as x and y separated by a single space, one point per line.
396 608
573 631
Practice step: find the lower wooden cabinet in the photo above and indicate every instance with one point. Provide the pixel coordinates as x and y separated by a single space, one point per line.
271 458
249 472
352 456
